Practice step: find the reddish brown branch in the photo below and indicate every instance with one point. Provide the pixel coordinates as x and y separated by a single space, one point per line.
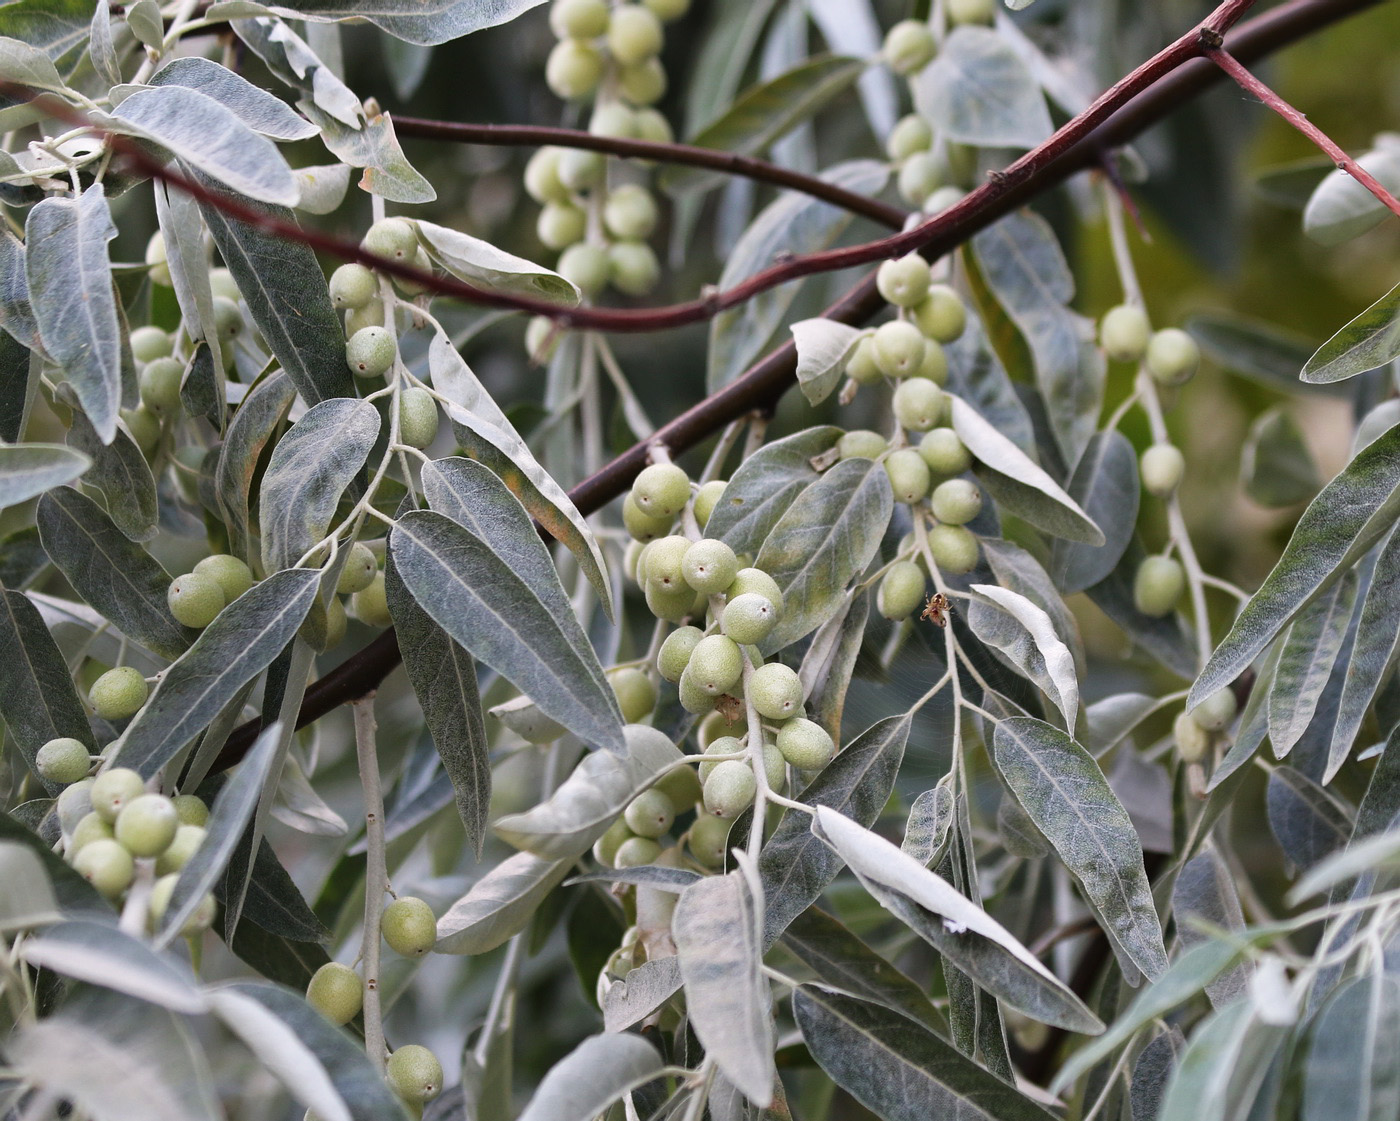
1251 84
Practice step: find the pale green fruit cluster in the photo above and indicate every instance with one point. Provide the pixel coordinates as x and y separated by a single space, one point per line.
639 836
195 599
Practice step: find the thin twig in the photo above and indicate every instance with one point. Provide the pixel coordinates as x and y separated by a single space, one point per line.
376 875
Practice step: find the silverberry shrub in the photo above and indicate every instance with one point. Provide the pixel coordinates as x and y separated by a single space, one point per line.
859 710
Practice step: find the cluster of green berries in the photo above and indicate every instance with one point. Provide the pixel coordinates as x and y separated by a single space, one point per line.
610 47
1194 732
111 822
196 598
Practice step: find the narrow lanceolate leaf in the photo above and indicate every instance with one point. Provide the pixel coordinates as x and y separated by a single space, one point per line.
248 433
27 470
309 470
979 91
796 865
1306 821
930 818
182 227
823 347
29 898
765 485
1262 351
239 644
641 993
499 904
100 955
16 312
826 538
1060 786
70 289
898 1069
121 473
109 570
443 676
1276 468
1350 514
1105 484
590 799
371 144
1341 208
592 1076
481 263
718 929
1369 341
492 588
1352 1071
955 926
1026 636
255 107
485 433
1223 1066
1205 890
1309 651
1018 483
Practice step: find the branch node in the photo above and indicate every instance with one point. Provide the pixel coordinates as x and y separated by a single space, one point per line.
1211 39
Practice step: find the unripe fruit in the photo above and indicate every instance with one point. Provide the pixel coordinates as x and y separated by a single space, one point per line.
201 918
642 83
919 404
860 367
910 134
90 828
634 34
663 562
909 475
956 502
613 119
774 767
190 809
336 621
371 605
730 789
542 182
146 824
722 745
971 11
632 267
573 70
73 804
578 19
1158 585
661 490
160 385
692 697
1163 466
806 744
582 170
943 199
861 443
560 224
1172 357
635 693
898 349
944 452
954 548
636 851
231 574
605 847
934 367
904 281
1192 741
393 238
418 417
716 664
352 286
706 499
756 580
630 212
184 845
709 566
641 525
651 125
909 46
195 600
673 604
1124 333
920 177
649 814
708 840
221 283
675 652
541 339
106 865
144 427
681 785
371 315
1215 713
901 590
414 1073
586 267
667 10
118 693
409 926
359 571
717 726
150 343
941 315
749 618
775 691
370 352
63 760
159 270
337 992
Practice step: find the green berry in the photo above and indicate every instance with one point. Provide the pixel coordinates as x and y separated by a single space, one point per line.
370 352
186 842
414 1073
228 318
653 126
393 238
709 566
1215 713
641 525
573 70
667 10
774 767
756 580
221 282
630 212
775 691
708 839
160 385
919 404
90 828
146 825
73 804
861 443
749 618
1158 585
943 199
633 268
118 693
201 918
904 281
649 814
586 267
675 652
635 692
541 339
920 177
150 343
909 475
1124 333
231 574
542 181
717 726
409 926
730 789
934 367
956 502
605 847
371 605
716 664
371 315
944 452
337 992
190 809
706 499
680 785
352 286
941 315
661 490
195 600
156 262
643 83
909 46
971 11
418 418
336 621
663 562
144 427
578 19
898 349
582 170
805 744
612 118
106 865
360 569
901 590
1192 741
910 134
954 548
722 745
1172 357
636 851
560 224
860 366
634 34
63 760
1162 466
674 604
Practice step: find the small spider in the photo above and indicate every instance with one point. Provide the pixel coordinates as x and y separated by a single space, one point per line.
936 610
731 708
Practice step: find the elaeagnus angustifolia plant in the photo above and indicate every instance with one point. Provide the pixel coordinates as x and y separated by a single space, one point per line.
815 676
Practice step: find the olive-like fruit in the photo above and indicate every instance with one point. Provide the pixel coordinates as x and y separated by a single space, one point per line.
1124 332
1157 586
901 590
156 261
861 443
716 664
730 789
352 286
586 267
910 134
90 828
652 125
717 726
749 618
661 490
721 745
630 212
107 865
605 847
371 604
146 824
632 267
560 224
706 499
144 427
1172 357
1192 741
370 315
860 366
641 525
1162 468
674 604
184 845
542 181
191 810
578 19
150 343
370 352
636 851
919 404
709 566
612 118
898 349
681 785
360 569
806 744
73 804
231 574
418 417
971 11
909 475
934 367
393 238
642 83
582 170
414 1073
63 759
921 176
904 281
337 992
409 926
195 600
649 814
1215 713
160 385
201 918
909 46
118 693
663 562
757 581
635 692
941 316
634 34
944 452
954 548
675 652
956 501
708 839
775 691
573 70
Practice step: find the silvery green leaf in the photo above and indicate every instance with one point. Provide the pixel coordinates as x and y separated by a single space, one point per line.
309 470
322 188
795 864
146 23
1112 719
1341 208
26 65
480 262
16 312
28 899
1017 482
1374 853
926 832
589 800
1060 786
289 57
113 573
978 91
499 904
27 470
1165 639
96 953
1350 514
1352 1071
718 930
299 807
829 663
954 925
823 347
765 485
426 22
592 1076
1152 1073
1028 275
1369 341
76 897
1262 351
70 290
1276 468
1222 1067
257 418
900 1070
640 993
182 227
977 375
209 136
371 144
656 876
120 472
826 538
1018 833
1025 634
255 107
102 50
491 586
1018 571
1304 818
1205 889
1309 651
1105 484
443 677
239 644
